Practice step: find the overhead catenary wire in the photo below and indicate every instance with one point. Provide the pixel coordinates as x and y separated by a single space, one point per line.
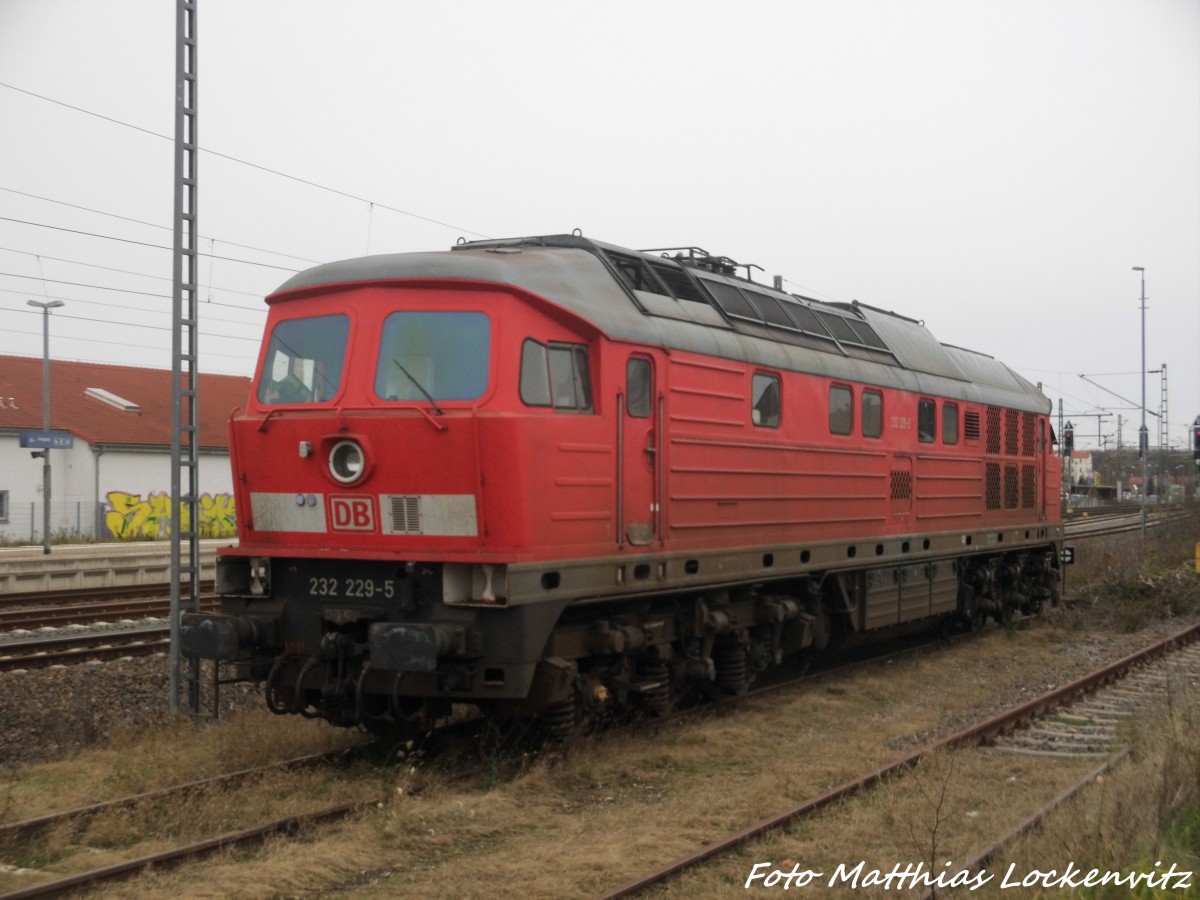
213 334
111 215
261 168
79 262
241 374
260 313
109 237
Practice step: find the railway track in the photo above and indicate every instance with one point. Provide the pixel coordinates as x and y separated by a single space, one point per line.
1002 734
459 733
37 609
1090 726
1100 698
21 833
40 652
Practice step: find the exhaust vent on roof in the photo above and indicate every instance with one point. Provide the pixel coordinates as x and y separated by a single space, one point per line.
112 400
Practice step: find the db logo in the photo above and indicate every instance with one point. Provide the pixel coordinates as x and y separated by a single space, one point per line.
352 513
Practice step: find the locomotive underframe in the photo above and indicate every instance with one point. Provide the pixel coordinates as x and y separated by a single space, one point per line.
379 644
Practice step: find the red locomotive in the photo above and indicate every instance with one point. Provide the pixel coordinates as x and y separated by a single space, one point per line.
552 477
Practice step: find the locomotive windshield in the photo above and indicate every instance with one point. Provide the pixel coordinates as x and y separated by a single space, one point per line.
431 356
304 360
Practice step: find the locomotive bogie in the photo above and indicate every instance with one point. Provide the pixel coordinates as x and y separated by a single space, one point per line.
560 479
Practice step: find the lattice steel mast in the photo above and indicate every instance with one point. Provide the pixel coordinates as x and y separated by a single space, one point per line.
185 437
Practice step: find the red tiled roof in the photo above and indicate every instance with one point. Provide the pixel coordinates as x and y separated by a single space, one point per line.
98 422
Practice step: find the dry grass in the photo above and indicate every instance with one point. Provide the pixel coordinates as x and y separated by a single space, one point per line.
139 759
1123 583
584 820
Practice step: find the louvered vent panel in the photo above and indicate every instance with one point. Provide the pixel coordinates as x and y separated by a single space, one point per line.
971 425
406 514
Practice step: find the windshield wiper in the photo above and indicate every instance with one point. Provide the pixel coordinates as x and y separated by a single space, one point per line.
436 409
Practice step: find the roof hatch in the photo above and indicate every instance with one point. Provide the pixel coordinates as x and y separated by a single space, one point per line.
112 399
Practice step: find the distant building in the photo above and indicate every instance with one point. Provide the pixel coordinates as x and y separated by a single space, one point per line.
114 482
1081 468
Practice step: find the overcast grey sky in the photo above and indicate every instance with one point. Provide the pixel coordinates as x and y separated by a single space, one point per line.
993 168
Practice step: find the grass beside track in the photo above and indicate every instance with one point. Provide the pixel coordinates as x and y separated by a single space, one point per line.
582 820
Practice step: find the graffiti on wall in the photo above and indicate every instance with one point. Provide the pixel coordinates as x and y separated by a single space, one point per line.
129 517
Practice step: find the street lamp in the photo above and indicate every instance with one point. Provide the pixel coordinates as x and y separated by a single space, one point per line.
1143 434
45 307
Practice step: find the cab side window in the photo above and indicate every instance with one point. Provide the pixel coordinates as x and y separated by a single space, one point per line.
556 375
949 423
637 387
872 414
841 409
764 400
926 421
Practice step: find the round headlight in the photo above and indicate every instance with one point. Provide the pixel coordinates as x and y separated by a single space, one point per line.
347 462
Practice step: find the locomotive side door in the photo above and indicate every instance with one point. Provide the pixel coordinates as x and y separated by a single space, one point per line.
638 456
1041 487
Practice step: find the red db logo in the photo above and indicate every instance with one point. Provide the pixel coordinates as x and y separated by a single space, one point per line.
352 513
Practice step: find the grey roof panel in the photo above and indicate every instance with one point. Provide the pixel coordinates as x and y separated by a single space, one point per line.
577 279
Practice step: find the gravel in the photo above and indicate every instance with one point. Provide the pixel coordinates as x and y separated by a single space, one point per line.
52 712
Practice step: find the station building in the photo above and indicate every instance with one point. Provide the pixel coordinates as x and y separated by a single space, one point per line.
114 480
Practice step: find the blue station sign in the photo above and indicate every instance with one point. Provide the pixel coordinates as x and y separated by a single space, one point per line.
47 440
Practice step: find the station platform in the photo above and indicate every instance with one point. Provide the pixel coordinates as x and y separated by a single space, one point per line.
75 566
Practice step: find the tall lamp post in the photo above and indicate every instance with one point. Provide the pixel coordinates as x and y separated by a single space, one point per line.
1143 435
45 307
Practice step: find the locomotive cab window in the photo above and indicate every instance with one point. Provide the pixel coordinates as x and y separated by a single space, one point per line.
926 421
432 356
872 414
304 360
841 410
950 423
556 375
637 387
764 400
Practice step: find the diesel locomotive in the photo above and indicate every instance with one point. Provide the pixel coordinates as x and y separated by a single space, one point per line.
555 478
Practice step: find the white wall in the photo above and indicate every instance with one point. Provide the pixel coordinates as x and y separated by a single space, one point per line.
132 495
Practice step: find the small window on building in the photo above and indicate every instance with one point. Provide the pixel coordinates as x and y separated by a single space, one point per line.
872 414
926 421
841 410
556 375
949 423
3 506
637 387
764 400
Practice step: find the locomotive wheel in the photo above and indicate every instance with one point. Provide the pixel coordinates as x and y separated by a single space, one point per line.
969 613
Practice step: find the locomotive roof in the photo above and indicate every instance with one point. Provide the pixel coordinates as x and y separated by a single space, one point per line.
689 300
